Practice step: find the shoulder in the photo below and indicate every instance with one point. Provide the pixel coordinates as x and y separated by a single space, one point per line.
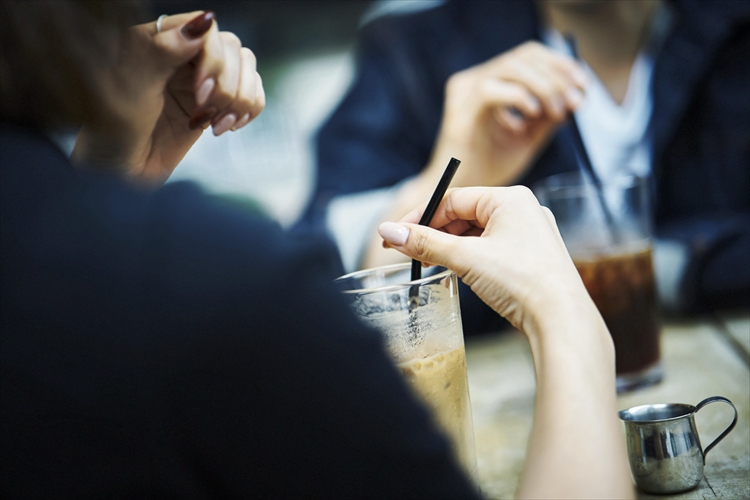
208 247
174 252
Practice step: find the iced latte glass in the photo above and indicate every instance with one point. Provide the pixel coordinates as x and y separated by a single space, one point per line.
608 235
421 324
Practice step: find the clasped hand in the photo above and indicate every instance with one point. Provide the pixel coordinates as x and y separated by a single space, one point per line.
163 90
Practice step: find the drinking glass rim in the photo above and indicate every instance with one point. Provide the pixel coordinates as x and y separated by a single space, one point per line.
387 288
689 410
574 184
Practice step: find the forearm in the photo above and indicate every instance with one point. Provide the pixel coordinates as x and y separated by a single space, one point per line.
576 448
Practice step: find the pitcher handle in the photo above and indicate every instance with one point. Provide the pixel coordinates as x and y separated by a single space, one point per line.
710 400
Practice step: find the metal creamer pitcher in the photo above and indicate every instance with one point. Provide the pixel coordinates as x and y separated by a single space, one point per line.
664 450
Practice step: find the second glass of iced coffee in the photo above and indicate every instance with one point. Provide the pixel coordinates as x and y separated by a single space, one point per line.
421 324
607 231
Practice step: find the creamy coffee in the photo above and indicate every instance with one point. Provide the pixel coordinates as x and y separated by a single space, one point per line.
440 381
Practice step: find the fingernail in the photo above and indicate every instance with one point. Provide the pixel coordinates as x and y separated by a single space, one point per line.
580 77
573 96
225 124
242 122
393 233
198 26
532 103
204 91
201 119
558 105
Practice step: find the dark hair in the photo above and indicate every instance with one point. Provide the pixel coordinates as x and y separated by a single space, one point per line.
50 52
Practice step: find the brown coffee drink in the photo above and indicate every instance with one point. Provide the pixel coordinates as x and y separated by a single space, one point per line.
622 287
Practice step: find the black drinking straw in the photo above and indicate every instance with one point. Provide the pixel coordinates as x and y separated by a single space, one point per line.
432 205
583 156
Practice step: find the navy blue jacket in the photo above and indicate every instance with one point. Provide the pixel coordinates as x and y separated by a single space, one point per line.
384 129
166 345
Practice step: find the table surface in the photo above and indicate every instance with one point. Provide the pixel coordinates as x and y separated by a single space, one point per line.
702 357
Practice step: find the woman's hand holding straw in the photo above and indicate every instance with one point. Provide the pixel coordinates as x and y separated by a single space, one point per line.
501 243
507 248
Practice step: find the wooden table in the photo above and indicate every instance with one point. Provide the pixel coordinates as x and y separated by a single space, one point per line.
702 357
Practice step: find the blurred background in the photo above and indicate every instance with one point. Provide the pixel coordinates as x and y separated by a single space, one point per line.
305 51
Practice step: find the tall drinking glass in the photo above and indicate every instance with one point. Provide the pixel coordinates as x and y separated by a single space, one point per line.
421 324
608 235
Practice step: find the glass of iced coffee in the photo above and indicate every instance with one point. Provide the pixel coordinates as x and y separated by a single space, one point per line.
608 234
421 324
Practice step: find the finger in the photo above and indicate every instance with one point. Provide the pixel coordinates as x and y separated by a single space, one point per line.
558 73
240 107
567 74
574 70
250 97
553 78
547 90
260 96
550 216
225 67
553 223
259 103
424 244
463 199
563 65
244 120
505 94
510 119
414 216
209 66
461 228
478 204
182 38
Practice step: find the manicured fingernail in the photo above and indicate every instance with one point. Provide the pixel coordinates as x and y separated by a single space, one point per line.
204 91
393 233
225 124
242 122
200 120
573 96
198 26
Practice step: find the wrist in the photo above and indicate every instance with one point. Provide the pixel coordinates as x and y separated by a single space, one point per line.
103 150
568 320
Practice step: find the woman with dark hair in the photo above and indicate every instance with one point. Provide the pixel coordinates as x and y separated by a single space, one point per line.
158 343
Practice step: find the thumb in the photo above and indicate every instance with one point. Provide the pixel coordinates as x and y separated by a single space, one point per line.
181 37
424 244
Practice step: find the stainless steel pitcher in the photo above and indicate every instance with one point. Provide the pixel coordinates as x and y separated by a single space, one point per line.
664 450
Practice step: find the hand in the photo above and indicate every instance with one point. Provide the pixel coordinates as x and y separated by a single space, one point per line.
504 245
496 118
507 248
165 88
499 114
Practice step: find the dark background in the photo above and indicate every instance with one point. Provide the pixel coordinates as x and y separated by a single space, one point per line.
273 29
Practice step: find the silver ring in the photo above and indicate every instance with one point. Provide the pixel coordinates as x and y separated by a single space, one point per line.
158 22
